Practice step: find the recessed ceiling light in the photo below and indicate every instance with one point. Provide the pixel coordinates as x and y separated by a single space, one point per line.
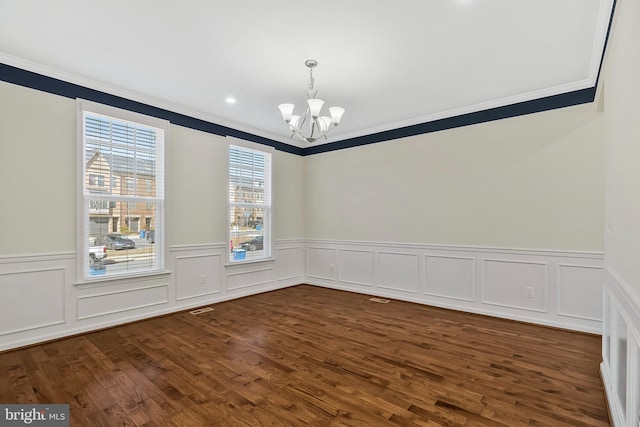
230 100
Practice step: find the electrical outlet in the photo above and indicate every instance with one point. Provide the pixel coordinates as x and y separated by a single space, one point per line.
528 292
203 279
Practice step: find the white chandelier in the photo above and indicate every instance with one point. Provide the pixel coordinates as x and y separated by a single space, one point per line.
317 126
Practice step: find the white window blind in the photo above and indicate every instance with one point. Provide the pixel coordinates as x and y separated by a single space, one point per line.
250 204
122 195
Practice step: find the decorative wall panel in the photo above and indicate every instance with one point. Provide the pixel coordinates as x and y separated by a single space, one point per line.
31 299
198 275
321 263
113 302
356 267
515 284
582 280
450 277
399 271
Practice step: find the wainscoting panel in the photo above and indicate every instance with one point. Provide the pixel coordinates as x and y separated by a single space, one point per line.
515 284
249 278
620 367
579 280
41 300
31 299
554 288
119 301
290 262
399 271
198 275
35 297
321 263
450 277
356 267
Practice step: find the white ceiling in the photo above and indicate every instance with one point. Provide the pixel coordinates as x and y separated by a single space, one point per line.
389 64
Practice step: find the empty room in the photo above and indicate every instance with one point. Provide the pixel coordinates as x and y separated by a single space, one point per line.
347 213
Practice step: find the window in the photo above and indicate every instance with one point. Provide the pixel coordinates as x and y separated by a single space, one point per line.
250 202
131 185
96 180
116 149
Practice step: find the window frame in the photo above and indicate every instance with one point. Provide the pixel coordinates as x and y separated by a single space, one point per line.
82 243
270 240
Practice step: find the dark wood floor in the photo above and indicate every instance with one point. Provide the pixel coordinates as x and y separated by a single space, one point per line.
312 356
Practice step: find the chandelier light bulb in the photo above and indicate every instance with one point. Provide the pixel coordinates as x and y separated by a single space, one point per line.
315 105
336 115
325 123
286 110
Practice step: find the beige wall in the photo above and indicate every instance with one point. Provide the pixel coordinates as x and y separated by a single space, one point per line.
622 135
38 179
532 182
288 208
196 187
37 172
528 182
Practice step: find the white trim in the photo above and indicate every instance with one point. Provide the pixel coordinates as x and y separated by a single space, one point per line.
12 259
121 279
269 214
83 106
122 115
249 145
464 248
197 247
614 411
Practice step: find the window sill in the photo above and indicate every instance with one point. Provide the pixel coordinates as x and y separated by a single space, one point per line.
122 278
249 262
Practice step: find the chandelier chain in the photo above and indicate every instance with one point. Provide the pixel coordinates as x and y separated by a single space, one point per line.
311 80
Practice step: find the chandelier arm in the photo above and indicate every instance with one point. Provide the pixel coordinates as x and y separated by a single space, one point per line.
301 120
330 128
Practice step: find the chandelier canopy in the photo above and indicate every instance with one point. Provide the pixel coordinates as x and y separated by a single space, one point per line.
311 125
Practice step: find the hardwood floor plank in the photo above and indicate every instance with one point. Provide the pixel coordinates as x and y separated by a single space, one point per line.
312 356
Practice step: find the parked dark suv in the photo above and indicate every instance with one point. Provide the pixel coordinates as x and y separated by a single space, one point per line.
253 245
115 241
